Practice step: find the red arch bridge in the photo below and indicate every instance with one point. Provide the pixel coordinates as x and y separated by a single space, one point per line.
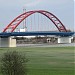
62 31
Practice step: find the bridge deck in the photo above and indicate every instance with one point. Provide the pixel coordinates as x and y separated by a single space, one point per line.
5 34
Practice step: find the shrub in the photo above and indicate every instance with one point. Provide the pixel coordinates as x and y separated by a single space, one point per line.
13 63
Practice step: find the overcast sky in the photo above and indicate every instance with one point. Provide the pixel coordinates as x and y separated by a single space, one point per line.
63 9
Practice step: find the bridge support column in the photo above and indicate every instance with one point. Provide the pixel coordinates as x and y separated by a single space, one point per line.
64 39
7 42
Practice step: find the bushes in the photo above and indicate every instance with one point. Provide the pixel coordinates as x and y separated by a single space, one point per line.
13 63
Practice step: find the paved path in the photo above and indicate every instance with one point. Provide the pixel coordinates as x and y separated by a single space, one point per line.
46 45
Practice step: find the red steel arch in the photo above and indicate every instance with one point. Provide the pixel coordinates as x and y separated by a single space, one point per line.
23 16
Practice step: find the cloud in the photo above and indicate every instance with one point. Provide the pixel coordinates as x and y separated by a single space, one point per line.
33 3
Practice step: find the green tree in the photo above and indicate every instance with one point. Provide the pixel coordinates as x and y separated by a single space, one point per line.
13 63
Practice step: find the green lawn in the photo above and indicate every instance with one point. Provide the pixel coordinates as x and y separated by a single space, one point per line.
47 60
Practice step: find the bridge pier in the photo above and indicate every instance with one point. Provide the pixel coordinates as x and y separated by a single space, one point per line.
64 39
7 42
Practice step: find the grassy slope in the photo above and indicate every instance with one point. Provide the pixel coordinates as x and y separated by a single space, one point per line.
47 60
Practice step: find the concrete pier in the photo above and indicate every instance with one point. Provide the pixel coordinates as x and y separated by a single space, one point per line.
64 39
7 42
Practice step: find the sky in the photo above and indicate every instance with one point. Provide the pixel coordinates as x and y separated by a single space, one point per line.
63 9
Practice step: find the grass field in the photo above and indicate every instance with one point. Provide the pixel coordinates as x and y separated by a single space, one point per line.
47 60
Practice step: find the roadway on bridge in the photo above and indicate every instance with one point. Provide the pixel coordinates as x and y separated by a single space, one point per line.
4 34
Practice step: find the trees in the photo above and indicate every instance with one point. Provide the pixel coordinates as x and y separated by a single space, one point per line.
13 63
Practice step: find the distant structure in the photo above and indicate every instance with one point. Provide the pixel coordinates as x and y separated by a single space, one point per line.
24 22
23 30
